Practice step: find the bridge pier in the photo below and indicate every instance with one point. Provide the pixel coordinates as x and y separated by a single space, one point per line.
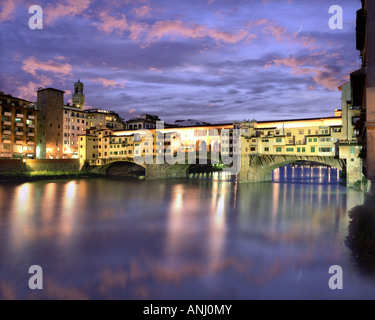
354 174
166 171
252 170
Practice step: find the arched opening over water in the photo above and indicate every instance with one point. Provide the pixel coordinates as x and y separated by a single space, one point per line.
313 173
125 169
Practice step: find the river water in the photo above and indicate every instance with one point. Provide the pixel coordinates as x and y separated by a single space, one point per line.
206 237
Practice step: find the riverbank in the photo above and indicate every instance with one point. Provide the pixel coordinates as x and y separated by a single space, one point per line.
45 175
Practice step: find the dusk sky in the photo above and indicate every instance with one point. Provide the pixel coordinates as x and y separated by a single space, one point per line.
212 60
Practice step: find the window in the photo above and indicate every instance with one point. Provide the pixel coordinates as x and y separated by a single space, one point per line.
312 149
303 149
252 149
266 149
288 134
325 149
352 151
278 140
315 139
289 149
310 139
298 149
278 149
355 120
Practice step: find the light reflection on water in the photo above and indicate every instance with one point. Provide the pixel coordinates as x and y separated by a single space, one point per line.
207 237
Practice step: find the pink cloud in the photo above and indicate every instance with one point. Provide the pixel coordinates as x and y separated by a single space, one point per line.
277 32
28 91
179 28
66 8
257 23
143 12
31 64
310 66
109 83
7 8
110 24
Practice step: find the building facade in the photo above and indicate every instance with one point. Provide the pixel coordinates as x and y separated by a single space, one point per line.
145 121
75 123
104 119
18 125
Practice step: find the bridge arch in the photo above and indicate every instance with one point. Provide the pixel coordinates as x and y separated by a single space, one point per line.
259 168
121 168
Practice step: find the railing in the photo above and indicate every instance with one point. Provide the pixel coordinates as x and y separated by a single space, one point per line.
7 114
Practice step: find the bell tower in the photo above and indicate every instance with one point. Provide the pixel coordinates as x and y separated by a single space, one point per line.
78 97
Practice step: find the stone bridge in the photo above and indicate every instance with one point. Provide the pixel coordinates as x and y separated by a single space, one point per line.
254 168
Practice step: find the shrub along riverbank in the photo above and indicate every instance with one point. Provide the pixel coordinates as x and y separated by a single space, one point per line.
45 175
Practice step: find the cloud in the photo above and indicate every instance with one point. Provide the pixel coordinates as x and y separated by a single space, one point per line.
277 32
65 8
194 31
29 90
313 65
7 8
143 12
109 83
110 24
32 64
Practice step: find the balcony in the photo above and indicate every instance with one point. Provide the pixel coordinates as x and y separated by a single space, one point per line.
19 142
31 134
19 133
7 123
31 117
31 143
19 115
7 132
19 124
31 126
7 114
6 141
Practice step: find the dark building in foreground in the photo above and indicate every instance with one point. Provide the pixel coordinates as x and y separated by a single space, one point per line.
363 84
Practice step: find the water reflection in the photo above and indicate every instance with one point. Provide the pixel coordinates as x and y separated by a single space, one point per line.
207 237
